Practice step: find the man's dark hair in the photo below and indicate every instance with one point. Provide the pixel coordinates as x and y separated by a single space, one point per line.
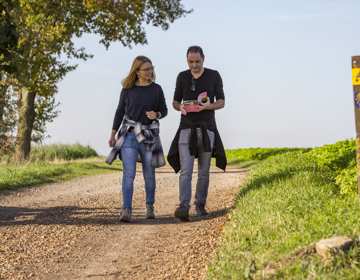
195 49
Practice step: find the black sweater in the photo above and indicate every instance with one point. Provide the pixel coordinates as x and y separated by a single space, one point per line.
210 81
138 100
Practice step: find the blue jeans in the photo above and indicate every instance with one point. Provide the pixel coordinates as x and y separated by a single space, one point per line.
187 166
129 152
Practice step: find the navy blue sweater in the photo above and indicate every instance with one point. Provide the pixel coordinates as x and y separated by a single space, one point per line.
138 100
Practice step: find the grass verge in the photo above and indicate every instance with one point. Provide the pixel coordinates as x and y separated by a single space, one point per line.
246 163
61 151
34 174
284 207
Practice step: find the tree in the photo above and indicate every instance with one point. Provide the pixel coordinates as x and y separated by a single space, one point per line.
8 116
46 29
8 34
8 43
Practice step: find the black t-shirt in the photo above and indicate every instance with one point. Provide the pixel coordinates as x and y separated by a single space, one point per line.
138 100
210 82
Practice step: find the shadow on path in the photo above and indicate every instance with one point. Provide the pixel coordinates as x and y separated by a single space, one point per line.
72 215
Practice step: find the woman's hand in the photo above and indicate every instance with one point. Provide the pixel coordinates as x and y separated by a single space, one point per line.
112 141
151 115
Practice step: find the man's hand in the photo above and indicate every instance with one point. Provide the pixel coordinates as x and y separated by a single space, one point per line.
219 104
182 109
205 106
179 107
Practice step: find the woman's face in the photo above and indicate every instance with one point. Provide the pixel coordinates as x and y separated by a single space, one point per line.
145 71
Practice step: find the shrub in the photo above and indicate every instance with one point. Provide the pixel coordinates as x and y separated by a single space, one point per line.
337 156
341 159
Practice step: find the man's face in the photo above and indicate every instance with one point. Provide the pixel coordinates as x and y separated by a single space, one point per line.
195 62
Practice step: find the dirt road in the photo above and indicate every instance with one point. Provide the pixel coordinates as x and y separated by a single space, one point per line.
70 229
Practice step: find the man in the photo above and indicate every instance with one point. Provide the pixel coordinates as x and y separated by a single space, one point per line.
197 136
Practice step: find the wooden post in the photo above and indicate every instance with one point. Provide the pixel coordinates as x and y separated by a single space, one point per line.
355 64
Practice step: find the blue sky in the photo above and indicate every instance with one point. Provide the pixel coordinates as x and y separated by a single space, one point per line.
286 68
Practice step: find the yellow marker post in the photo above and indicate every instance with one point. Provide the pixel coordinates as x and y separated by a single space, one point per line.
356 76
356 96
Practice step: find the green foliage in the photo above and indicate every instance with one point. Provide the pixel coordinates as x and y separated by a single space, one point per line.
45 109
8 35
337 156
61 151
8 118
34 174
284 206
46 31
341 159
347 180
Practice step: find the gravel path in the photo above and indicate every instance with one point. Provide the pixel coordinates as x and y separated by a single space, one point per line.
70 229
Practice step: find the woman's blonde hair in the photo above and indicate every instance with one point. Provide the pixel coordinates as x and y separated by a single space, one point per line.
131 79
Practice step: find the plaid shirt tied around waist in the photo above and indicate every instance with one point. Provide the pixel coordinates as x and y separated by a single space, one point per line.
150 136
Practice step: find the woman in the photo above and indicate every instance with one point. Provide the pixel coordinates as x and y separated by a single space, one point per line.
142 104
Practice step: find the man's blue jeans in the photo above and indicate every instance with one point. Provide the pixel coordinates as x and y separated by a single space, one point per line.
187 166
129 153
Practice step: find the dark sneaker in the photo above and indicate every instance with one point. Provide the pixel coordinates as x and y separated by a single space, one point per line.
200 210
126 215
182 213
149 212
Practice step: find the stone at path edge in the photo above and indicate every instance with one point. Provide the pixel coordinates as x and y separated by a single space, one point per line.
334 244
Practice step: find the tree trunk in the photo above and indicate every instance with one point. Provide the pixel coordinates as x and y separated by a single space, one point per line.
26 115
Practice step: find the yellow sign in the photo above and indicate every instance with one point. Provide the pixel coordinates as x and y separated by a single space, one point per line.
356 76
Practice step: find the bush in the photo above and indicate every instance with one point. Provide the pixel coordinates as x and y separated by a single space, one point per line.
347 180
337 156
341 159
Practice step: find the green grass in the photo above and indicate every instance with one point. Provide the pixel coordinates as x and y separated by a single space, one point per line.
285 206
247 163
61 151
251 156
34 174
53 163
260 153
